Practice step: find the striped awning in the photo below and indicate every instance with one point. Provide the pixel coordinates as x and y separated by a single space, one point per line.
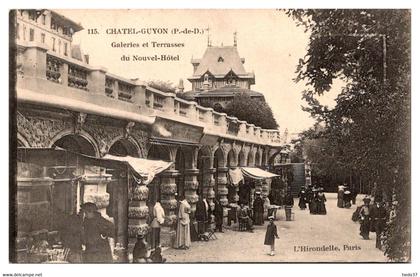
257 173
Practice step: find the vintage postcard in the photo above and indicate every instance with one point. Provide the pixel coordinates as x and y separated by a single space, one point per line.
210 136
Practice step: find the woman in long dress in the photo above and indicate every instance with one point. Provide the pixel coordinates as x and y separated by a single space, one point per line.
302 198
321 202
183 237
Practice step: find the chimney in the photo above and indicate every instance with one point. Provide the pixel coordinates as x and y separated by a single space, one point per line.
181 85
86 58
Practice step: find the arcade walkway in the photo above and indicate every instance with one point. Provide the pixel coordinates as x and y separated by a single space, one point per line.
335 228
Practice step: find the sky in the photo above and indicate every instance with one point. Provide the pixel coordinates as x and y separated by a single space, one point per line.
269 41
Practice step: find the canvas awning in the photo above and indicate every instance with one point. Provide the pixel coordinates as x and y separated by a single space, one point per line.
235 176
257 173
147 169
143 168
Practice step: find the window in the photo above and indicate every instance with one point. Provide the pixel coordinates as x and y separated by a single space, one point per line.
43 19
24 32
59 46
31 34
43 38
65 49
53 43
220 60
32 15
17 31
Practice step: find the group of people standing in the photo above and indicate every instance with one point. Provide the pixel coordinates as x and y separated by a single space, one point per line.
315 198
372 218
346 196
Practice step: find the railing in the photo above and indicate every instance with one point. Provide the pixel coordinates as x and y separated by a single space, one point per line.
53 69
183 108
125 91
77 77
74 74
158 102
109 87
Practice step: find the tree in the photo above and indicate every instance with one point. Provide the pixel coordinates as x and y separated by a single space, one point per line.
165 86
253 111
370 124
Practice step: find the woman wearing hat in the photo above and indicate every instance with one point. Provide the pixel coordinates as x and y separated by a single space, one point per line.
365 218
271 235
98 236
258 209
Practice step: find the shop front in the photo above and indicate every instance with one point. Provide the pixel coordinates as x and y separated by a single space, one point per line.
53 183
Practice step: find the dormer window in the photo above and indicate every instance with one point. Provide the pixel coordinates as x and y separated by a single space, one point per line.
220 60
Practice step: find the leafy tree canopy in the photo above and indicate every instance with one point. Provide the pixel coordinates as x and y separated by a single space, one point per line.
369 128
165 86
253 111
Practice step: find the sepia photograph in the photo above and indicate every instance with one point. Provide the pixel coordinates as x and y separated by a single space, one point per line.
209 136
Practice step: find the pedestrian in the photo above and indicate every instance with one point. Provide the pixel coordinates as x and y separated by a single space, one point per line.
354 192
244 218
321 199
98 236
183 235
302 198
201 214
347 197
365 218
218 215
379 216
288 205
258 209
271 235
340 196
141 252
158 219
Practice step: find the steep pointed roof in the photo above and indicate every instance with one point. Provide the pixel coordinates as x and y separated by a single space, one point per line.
219 60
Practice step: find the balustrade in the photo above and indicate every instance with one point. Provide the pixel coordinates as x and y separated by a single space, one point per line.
66 71
109 87
77 77
53 69
125 92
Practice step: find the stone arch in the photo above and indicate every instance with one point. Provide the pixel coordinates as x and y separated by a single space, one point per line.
21 141
159 152
231 159
272 156
82 142
264 157
122 146
258 155
204 158
243 157
180 166
251 157
219 158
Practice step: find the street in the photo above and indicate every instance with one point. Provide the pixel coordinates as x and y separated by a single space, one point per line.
301 240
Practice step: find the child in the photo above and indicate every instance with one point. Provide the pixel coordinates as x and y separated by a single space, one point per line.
271 234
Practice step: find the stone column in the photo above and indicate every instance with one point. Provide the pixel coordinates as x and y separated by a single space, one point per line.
94 190
208 190
167 195
222 190
137 210
190 188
